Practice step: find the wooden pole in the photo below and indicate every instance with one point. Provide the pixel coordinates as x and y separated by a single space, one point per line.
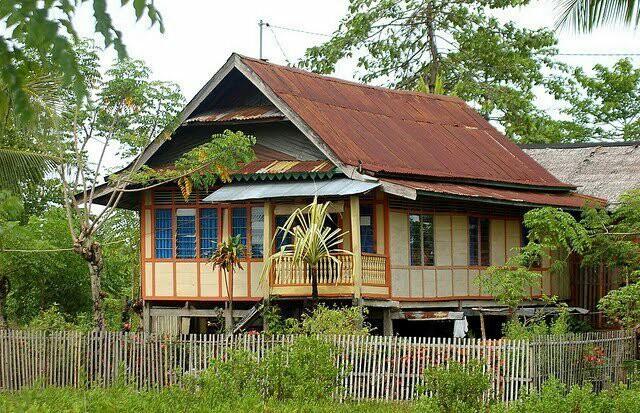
356 246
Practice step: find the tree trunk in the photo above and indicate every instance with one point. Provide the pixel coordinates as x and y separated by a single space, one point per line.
314 287
228 319
95 272
91 252
434 66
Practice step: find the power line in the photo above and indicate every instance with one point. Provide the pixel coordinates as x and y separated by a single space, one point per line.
278 43
592 54
290 29
599 54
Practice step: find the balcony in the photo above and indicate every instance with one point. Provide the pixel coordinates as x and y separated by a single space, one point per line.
334 278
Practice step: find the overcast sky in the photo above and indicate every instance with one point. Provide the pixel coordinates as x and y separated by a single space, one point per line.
200 35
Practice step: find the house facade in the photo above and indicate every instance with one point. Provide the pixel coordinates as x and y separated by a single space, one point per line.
428 193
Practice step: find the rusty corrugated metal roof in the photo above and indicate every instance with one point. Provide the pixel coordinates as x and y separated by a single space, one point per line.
402 132
237 114
560 199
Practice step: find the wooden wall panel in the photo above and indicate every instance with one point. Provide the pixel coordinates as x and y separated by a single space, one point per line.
445 287
240 287
148 279
186 279
429 283
442 239
148 243
380 229
513 238
400 283
164 279
474 285
460 233
399 238
256 272
416 282
209 281
498 246
460 282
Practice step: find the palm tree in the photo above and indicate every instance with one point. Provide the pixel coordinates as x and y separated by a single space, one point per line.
586 15
313 241
20 166
227 257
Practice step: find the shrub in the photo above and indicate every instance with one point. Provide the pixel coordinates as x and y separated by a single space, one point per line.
455 388
235 375
51 319
305 370
332 321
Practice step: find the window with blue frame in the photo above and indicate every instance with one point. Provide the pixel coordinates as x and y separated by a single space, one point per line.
185 233
524 241
479 242
367 237
164 233
208 231
257 232
239 224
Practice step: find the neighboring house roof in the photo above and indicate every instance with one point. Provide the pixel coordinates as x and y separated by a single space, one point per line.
603 170
245 113
401 132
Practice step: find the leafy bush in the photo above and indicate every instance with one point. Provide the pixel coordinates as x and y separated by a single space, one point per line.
234 376
305 371
51 319
455 388
327 321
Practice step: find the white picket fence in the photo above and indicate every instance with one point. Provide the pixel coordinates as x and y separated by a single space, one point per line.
381 368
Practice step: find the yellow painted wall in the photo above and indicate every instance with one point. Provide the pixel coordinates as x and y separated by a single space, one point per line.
451 277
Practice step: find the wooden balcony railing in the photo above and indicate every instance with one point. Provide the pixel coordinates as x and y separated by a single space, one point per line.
374 269
329 271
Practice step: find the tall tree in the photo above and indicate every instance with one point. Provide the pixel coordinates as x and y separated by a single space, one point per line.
587 15
604 106
493 66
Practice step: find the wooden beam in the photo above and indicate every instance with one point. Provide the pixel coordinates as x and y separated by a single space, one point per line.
266 245
188 312
354 208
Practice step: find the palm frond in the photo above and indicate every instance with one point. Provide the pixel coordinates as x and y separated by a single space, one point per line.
586 15
19 166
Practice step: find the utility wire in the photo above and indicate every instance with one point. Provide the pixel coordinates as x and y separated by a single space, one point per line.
592 54
286 59
289 29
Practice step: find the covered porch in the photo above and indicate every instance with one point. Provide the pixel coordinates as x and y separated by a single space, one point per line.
358 208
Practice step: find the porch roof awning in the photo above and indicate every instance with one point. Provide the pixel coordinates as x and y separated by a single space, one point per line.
242 191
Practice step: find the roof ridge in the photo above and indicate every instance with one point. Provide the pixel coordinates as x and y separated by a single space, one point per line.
577 145
434 96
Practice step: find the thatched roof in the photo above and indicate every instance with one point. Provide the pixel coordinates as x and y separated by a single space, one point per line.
604 170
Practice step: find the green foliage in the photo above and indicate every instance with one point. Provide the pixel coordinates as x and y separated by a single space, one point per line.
509 285
304 371
622 305
202 166
321 321
51 319
539 326
47 31
493 66
603 106
455 388
588 15
19 166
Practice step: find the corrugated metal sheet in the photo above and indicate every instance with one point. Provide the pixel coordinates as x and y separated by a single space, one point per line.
278 167
560 199
243 191
402 132
237 114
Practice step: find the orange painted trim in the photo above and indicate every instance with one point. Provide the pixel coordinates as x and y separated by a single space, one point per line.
453 297
194 298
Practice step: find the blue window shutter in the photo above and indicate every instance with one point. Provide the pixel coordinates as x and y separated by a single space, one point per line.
208 231
164 233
